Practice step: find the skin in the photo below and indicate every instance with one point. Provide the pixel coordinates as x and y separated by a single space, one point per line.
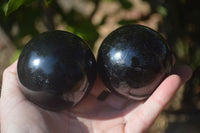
112 115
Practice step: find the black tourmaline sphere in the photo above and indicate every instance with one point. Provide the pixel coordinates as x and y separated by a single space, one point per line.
56 70
133 60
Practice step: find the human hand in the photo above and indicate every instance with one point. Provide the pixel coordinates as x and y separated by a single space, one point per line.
113 115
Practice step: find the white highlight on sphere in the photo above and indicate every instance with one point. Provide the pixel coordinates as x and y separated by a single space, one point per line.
118 55
36 62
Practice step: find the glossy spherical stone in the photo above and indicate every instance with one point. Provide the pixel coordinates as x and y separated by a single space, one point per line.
133 60
56 70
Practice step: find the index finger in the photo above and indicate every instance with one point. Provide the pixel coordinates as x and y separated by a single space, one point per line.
144 117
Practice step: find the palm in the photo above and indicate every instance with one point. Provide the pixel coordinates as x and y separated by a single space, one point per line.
90 114
114 114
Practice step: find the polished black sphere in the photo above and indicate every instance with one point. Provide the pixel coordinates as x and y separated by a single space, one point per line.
56 70
133 60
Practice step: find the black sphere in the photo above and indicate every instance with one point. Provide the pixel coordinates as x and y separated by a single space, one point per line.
56 70
133 60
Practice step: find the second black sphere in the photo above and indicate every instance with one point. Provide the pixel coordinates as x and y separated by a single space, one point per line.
133 60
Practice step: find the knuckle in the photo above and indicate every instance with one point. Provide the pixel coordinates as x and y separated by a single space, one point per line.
5 72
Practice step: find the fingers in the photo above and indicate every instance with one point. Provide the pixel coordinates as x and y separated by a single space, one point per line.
148 112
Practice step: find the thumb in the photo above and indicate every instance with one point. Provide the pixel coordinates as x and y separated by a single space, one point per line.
10 91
